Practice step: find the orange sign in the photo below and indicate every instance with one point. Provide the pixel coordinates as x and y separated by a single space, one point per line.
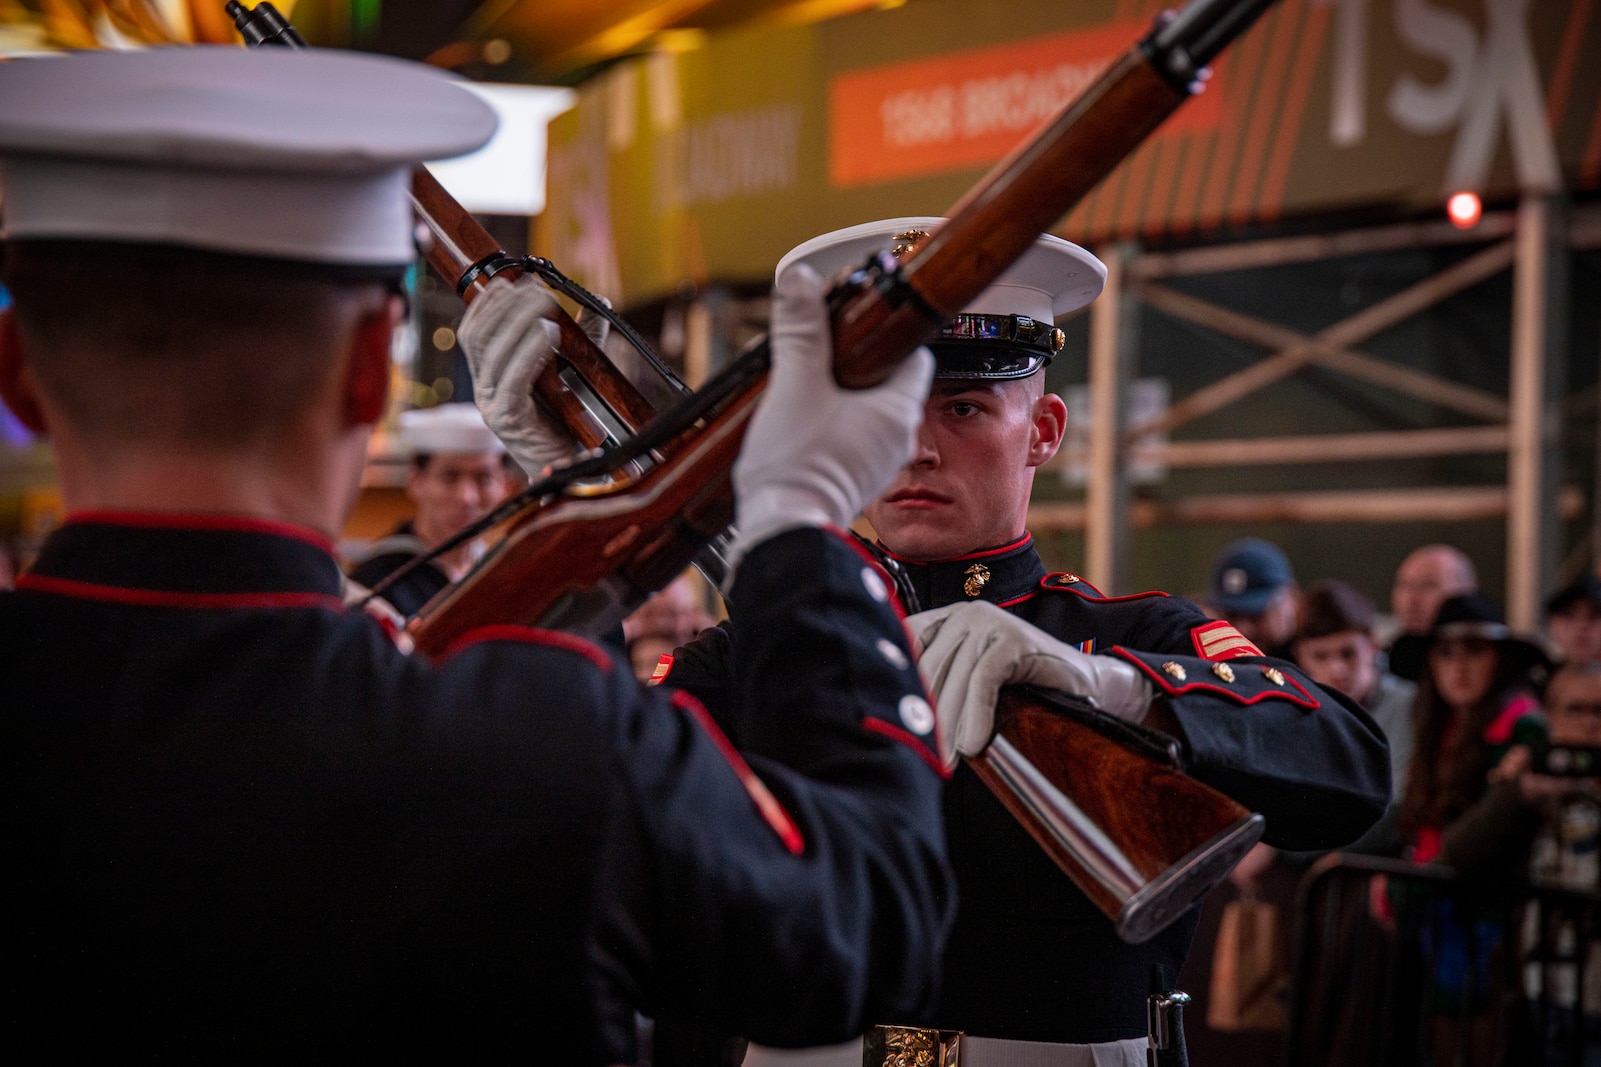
968 108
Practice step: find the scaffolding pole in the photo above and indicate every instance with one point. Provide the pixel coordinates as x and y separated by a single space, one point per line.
1538 312
1112 342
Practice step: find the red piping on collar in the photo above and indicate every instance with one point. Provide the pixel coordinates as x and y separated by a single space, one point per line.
980 554
163 598
767 805
174 520
529 635
1017 599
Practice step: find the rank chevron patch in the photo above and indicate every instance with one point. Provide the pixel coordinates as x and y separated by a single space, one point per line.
1220 640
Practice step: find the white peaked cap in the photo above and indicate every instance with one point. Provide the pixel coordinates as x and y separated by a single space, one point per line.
1052 278
448 428
296 155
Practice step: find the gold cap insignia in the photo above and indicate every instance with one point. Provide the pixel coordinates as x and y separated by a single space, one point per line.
1274 675
1175 670
977 576
1223 671
907 241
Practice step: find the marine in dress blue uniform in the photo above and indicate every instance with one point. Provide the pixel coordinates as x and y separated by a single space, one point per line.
1034 973
239 822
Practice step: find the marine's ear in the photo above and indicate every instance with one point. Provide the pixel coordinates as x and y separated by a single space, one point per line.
1050 424
17 385
367 368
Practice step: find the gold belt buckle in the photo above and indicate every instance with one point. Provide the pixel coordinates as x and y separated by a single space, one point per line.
911 1046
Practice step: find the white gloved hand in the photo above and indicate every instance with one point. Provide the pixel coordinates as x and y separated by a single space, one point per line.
508 337
968 651
815 453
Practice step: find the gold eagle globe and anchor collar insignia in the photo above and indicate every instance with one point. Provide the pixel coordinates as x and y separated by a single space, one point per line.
999 575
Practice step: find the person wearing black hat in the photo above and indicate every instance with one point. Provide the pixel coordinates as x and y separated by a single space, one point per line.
240 823
1034 973
1476 701
1573 619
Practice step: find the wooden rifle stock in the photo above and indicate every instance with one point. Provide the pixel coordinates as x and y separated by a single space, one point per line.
1142 840
457 249
1139 837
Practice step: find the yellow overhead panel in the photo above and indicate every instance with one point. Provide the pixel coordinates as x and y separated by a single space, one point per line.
557 36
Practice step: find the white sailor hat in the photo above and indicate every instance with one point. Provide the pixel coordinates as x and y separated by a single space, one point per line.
289 155
448 428
1009 330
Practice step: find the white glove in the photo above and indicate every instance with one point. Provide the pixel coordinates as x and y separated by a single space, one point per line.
968 651
508 337
815 453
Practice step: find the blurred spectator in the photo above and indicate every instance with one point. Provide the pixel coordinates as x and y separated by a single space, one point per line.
1573 619
1567 849
670 618
1475 703
1542 817
1254 588
458 474
1424 581
1336 646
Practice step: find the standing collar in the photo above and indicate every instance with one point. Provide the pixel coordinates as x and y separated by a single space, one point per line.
1000 575
186 560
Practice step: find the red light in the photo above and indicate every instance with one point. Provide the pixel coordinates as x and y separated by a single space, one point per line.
1464 210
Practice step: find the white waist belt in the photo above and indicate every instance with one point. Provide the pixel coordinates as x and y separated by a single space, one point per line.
974 1052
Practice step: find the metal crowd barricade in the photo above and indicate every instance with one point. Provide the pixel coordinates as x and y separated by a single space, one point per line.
1396 963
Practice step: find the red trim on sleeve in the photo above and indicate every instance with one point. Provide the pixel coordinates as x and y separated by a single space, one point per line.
664 667
910 740
160 520
1097 597
164 598
1221 640
878 568
1168 686
530 635
767 805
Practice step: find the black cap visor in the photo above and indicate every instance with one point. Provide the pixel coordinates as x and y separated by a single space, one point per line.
993 347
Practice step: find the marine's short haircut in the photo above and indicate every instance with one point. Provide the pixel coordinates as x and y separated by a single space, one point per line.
150 342
1334 607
